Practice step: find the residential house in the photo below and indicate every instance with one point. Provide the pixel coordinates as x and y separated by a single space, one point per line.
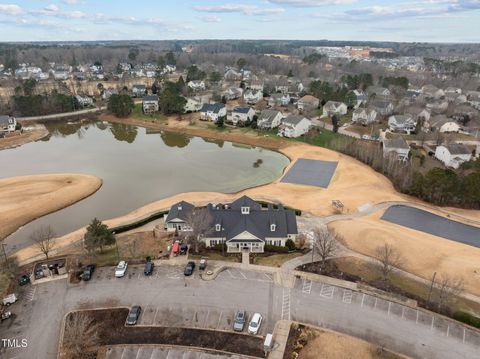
383 108
253 96
437 106
232 75
453 154
442 123
196 85
7 124
213 112
60 75
139 90
79 76
109 92
402 123
334 108
361 98
396 147
150 104
192 105
290 85
307 103
243 225
364 116
84 101
232 93
256 85
278 99
432 92
294 126
242 115
269 119
378 91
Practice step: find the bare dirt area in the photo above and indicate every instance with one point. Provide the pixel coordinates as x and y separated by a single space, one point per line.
311 343
19 139
109 329
422 254
23 199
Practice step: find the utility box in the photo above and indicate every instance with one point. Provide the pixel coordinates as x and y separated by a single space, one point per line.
268 343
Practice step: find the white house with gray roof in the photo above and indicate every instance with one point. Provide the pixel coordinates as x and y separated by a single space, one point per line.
269 119
7 124
294 126
402 123
242 115
364 116
243 225
396 147
213 111
150 104
453 154
332 108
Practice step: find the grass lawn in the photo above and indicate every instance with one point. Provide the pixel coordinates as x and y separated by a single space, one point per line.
276 260
367 272
370 130
138 114
323 139
214 256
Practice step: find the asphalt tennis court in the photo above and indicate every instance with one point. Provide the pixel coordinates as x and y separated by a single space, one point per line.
311 173
432 224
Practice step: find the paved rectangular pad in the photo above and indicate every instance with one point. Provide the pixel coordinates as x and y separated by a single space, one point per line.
432 224
311 173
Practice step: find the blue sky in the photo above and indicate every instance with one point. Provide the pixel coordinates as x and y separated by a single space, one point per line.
402 20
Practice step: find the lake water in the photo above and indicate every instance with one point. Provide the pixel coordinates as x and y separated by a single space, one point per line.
137 166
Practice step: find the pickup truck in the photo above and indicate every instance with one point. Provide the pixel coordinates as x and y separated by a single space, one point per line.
10 299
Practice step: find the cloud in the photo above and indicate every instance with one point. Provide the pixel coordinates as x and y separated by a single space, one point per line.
210 18
10 9
250 10
70 2
51 8
310 3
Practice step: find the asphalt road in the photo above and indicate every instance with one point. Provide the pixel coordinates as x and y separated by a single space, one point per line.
171 300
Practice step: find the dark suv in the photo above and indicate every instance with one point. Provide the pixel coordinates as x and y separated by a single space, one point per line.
189 268
148 268
88 272
133 315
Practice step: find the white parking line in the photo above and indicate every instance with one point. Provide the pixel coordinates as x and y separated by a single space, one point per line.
30 295
243 275
269 277
155 316
123 352
327 291
363 298
138 352
219 319
205 323
230 273
307 286
347 296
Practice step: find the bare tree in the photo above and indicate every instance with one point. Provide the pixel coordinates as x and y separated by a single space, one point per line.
81 335
325 244
43 239
447 289
200 222
388 258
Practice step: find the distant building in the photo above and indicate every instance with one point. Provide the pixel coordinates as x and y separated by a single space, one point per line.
196 85
7 124
84 101
307 103
453 154
278 99
150 104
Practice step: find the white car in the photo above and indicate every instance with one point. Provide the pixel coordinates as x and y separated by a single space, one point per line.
10 299
255 323
121 269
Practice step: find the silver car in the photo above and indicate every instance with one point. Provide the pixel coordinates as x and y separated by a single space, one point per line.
239 321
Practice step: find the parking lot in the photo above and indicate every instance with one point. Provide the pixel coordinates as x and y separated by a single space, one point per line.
161 353
135 272
236 274
352 300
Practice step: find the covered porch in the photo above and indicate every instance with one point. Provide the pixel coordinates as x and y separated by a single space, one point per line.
239 246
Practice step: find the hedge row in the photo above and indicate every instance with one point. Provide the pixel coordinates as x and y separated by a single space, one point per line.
467 318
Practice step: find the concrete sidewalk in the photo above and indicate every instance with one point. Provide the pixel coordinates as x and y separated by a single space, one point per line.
280 337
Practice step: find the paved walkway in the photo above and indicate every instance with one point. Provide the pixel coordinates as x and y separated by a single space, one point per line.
57 116
280 337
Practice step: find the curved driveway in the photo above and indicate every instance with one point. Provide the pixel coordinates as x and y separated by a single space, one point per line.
170 299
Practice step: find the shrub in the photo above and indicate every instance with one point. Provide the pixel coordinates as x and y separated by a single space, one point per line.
278 249
467 318
290 245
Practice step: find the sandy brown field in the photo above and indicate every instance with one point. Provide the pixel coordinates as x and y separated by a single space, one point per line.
23 199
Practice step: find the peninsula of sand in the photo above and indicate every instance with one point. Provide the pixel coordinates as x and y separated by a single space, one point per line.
23 199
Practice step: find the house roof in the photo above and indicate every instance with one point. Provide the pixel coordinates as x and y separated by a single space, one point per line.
150 98
401 118
397 142
241 109
293 119
268 115
179 210
377 90
309 98
140 87
6 120
380 103
333 105
457 149
212 107
360 111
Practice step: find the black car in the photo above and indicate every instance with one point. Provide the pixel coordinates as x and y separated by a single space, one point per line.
23 280
189 268
133 315
148 268
88 272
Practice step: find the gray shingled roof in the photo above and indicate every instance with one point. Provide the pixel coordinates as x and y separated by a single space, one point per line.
179 210
397 142
5 120
268 115
293 119
241 109
150 98
213 107
458 149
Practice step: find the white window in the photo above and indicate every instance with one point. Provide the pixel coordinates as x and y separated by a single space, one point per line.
218 227
245 210
273 226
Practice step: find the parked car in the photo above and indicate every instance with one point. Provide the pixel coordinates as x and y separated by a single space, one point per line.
23 280
121 269
5 315
133 315
203 264
88 272
239 321
255 323
39 273
183 249
148 268
10 299
189 268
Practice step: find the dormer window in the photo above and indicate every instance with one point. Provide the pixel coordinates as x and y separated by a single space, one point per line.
273 227
218 227
179 207
245 210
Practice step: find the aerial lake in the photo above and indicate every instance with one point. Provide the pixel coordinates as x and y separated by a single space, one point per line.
137 166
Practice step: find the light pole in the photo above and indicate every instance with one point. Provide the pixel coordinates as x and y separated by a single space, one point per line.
312 248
